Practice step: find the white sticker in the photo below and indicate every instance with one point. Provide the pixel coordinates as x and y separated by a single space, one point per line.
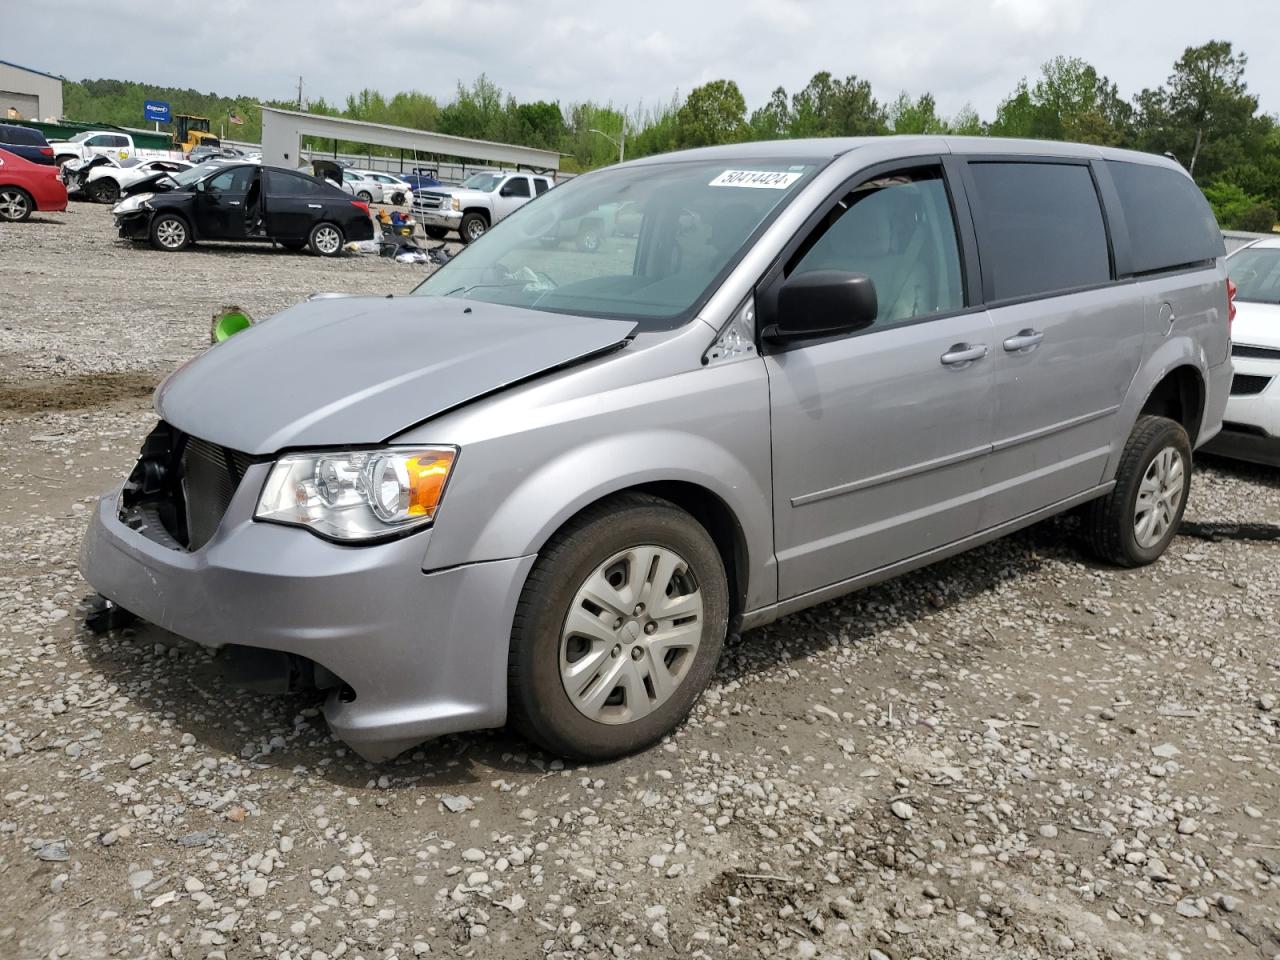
758 179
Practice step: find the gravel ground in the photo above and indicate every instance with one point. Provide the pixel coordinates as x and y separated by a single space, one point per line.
1016 753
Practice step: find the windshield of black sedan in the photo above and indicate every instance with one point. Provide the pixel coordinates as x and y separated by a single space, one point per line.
643 243
1256 274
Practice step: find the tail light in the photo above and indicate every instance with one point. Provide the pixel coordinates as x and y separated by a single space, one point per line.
361 204
1231 301
46 151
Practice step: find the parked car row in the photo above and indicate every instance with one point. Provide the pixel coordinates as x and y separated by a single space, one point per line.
544 489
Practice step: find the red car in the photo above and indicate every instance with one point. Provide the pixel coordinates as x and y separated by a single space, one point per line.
27 186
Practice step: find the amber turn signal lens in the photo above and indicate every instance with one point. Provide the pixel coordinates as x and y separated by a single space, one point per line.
427 476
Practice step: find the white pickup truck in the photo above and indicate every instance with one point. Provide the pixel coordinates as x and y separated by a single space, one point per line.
108 143
477 203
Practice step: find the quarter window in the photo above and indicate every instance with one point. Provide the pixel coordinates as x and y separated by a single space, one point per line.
1170 223
898 230
541 186
1040 228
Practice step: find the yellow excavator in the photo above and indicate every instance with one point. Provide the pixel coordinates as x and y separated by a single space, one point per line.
190 132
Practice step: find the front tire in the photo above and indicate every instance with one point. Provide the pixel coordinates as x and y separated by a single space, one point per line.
169 232
618 630
1135 523
473 227
325 240
365 195
15 204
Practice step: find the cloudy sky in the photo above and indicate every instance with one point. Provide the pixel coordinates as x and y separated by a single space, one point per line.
633 54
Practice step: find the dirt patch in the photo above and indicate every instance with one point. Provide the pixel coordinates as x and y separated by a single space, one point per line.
84 391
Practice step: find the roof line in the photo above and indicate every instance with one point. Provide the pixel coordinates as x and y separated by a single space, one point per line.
18 66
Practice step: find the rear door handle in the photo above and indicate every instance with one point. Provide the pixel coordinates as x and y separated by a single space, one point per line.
234 203
316 206
1024 341
963 354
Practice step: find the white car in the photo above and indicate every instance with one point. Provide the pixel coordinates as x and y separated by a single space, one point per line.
394 190
1251 424
362 188
106 182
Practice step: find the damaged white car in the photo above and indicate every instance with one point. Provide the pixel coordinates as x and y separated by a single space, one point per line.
106 180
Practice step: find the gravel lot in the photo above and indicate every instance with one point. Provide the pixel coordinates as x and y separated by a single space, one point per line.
1016 753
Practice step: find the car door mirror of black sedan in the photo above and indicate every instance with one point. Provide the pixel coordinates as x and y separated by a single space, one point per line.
823 303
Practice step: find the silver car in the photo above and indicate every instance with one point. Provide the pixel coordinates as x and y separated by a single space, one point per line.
545 488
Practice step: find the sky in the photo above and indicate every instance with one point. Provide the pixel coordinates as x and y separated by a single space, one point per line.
635 55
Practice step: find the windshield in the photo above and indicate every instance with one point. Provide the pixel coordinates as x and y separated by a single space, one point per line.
644 243
484 182
1256 274
80 137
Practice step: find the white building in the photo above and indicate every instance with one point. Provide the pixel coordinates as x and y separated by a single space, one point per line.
27 94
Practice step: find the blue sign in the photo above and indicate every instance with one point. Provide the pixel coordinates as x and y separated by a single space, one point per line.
156 110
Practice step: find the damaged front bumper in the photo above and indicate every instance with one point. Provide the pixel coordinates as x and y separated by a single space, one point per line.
418 654
134 226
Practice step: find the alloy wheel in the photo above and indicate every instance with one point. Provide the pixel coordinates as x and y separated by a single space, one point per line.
327 240
171 234
475 230
631 634
1159 496
13 205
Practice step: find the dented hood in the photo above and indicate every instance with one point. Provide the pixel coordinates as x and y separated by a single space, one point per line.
359 370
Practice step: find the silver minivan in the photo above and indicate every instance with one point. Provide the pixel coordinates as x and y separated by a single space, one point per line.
542 489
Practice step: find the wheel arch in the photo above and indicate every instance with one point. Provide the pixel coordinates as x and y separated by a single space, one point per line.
481 211
1178 395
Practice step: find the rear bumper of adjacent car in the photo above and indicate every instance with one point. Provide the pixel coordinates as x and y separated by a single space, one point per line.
1251 422
419 654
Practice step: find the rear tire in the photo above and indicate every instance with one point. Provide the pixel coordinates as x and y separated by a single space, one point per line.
15 204
325 239
169 232
635 672
104 190
473 227
1135 523
365 195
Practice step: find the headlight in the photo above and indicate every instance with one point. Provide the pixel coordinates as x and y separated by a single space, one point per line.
455 203
357 494
130 204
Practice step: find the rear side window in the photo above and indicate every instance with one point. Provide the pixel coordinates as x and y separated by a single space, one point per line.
540 186
1040 228
1170 223
14 134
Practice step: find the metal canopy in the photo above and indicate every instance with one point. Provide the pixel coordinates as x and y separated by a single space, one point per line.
282 131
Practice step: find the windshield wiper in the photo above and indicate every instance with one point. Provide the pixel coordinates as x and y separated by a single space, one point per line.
478 286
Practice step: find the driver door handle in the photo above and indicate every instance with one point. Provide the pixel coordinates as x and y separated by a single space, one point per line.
316 206
963 354
1024 341
233 203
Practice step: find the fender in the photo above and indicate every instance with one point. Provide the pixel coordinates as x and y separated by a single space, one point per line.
1168 356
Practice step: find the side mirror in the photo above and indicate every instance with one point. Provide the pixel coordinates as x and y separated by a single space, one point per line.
823 303
505 191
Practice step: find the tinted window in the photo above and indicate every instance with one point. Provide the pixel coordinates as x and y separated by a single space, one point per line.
898 231
295 185
1256 274
541 186
101 140
516 187
1040 228
118 141
1170 222
13 134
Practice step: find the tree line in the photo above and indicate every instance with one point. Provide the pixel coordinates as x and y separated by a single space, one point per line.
1202 114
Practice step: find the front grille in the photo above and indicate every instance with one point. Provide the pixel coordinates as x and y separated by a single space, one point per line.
1254 353
430 201
181 488
1248 385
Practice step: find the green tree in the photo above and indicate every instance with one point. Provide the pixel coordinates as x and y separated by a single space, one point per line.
828 107
915 116
773 120
714 113
1204 114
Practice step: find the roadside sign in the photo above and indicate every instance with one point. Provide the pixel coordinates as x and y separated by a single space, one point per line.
156 110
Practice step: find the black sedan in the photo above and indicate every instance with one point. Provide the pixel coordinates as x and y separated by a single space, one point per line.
242 201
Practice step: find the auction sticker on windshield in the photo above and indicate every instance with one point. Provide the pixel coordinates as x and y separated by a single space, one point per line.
759 179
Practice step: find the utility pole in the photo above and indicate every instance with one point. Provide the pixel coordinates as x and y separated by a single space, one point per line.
299 93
